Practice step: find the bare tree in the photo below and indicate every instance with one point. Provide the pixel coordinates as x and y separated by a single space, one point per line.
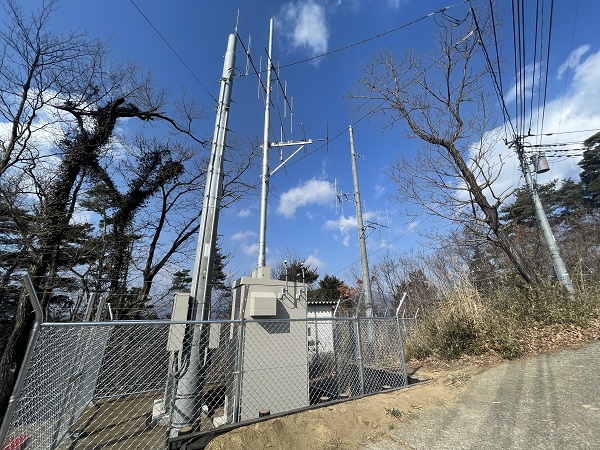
86 96
444 104
37 70
175 210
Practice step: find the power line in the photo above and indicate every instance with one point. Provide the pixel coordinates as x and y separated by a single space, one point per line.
173 50
380 248
592 130
535 46
497 86
547 64
372 111
568 66
364 41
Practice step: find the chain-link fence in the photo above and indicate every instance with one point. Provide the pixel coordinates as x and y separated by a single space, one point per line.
123 384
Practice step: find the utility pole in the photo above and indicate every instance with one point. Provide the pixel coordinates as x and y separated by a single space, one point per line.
188 400
559 266
366 279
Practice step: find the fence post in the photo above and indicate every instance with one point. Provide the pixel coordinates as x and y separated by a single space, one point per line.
35 331
359 355
401 350
238 371
336 342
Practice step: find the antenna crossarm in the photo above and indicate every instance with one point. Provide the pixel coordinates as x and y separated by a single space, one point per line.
283 144
290 143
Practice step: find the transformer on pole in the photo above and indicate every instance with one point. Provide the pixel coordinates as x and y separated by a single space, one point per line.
559 266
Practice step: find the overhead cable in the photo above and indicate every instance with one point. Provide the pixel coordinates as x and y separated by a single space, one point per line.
173 50
364 41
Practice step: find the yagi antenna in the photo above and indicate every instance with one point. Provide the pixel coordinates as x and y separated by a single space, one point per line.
248 55
259 77
284 97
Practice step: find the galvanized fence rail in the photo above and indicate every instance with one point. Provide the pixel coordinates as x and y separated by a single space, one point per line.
115 384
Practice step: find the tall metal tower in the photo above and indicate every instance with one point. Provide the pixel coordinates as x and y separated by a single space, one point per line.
188 400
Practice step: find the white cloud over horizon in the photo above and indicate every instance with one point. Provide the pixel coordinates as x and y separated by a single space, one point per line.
312 192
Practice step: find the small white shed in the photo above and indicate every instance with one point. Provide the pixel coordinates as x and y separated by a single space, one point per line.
320 328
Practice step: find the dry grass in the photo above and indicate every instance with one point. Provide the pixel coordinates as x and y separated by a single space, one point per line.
464 322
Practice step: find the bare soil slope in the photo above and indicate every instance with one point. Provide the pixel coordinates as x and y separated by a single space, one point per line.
355 423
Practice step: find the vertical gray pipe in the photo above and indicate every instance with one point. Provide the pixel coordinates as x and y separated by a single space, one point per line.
359 356
262 241
188 400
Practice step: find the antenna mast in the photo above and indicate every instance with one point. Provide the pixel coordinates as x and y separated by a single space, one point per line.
265 176
262 243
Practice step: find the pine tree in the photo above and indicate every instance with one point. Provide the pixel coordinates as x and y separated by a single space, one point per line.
590 174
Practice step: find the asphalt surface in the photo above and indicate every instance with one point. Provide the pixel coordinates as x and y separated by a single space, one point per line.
543 402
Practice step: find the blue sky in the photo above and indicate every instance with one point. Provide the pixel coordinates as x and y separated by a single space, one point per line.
303 214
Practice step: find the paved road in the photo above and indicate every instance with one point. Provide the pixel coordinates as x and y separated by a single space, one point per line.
545 402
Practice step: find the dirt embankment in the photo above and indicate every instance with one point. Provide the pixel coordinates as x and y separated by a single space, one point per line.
354 423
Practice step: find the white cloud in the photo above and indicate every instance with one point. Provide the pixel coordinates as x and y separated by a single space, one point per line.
305 25
345 225
313 192
315 262
250 249
245 212
246 242
243 236
395 3
379 191
570 114
530 69
412 225
573 60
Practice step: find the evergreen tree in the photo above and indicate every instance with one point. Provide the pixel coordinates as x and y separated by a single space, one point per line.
181 281
559 203
590 174
330 288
